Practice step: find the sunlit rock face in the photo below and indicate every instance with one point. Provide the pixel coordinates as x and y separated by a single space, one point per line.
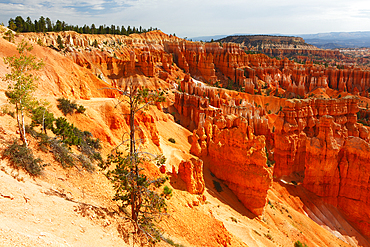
237 157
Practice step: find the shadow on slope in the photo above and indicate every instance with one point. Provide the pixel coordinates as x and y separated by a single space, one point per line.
216 188
325 215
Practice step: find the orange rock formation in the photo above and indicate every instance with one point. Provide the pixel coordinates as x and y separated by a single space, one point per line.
237 157
191 172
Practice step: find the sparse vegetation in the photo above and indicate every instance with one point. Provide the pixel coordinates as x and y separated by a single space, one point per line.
299 244
217 186
363 117
66 135
20 156
171 140
171 242
80 109
95 44
9 36
269 161
66 106
62 153
60 43
39 42
6 111
269 236
167 192
86 163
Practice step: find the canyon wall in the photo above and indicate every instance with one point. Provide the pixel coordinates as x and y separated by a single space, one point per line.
244 168
317 138
226 125
158 55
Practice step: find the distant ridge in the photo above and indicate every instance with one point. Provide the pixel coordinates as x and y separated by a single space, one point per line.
339 39
330 40
268 41
207 38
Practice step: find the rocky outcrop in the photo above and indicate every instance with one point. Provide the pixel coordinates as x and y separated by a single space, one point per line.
321 140
301 120
197 98
191 172
354 186
193 59
151 54
321 164
244 168
300 52
340 174
114 57
246 69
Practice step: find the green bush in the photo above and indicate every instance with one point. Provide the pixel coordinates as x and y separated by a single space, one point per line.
67 131
95 43
81 109
7 111
234 219
299 244
171 140
66 106
9 36
22 157
269 236
167 191
60 42
42 117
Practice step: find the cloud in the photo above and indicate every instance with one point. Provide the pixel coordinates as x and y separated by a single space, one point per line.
198 18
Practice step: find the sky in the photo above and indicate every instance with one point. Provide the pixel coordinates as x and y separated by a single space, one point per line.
193 18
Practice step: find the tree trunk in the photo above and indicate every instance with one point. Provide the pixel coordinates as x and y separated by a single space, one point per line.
24 129
134 165
21 127
43 122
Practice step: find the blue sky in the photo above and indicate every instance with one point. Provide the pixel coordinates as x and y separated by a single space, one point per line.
192 18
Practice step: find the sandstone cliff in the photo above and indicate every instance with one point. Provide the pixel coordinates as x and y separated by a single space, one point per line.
244 168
